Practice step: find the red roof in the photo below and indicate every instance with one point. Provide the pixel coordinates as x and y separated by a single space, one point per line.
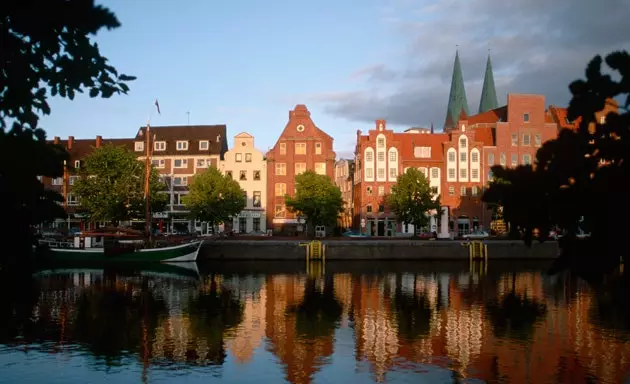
493 116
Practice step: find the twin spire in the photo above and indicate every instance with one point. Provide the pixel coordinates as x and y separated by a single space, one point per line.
457 101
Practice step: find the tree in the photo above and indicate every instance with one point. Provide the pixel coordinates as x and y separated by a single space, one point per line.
45 50
111 186
412 198
317 198
214 198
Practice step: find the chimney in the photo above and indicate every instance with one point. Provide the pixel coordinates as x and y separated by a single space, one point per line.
70 142
56 140
99 141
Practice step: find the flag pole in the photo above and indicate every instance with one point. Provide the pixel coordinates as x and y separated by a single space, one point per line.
147 176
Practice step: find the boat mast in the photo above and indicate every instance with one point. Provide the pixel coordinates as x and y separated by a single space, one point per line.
147 179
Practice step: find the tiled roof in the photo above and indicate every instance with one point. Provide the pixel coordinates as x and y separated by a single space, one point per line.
491 117
486 135
559 116
215 134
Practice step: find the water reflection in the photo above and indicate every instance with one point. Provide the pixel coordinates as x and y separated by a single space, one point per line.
505 325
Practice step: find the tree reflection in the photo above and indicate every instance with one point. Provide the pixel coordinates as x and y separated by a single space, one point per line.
611 310
19 294
214 312
413 311
319 313
514 316
109 318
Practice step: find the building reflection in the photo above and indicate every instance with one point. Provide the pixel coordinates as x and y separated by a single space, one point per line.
510 327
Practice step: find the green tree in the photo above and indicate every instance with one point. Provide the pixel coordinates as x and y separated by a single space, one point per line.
214 198
317 198
111 186
45 50
412 198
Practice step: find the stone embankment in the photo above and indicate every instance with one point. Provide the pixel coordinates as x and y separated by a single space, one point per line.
368 249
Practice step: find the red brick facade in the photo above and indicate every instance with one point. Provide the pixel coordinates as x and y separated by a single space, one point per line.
301 146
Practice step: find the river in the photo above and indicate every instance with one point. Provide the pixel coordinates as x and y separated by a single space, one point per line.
335 323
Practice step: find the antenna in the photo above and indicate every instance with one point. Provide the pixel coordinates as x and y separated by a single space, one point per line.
188 114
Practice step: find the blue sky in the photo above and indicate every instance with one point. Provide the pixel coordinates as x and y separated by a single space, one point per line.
246 63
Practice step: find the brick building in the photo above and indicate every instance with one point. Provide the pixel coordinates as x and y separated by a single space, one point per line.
301 146
344 179
380 157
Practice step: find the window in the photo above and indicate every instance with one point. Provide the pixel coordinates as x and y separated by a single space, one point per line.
474 157
474 173
318 148
381 173
435 173
369 173
242 176
381 208
202 163
463 173
180 180
228 174
462 191
283 148
392 156
527 139
537 140
257 175
451 156
422 152
434 190
257 199
514 140
238 157
159 146
72 179
381 190
474 191
256 224
139 146
463 142
281 169
393 173
180 163
451 191
182 145
204 145
380 142
72 199
490 158
281 189
158 163
527 159
602 120
57 181
248 157
368 190
451 173
369 156
380 157
463 157
320 168
526 117
300 168
245 199
279 210
300 148
368 209
514 161
490 175
502 159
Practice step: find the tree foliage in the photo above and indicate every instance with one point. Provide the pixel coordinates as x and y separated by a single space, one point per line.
111 186
45 50
580 173
214 198
412 198
317 198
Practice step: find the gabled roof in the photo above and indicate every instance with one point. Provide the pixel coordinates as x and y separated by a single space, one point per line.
214 134
490 117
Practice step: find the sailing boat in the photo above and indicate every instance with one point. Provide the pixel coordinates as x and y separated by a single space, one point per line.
121 244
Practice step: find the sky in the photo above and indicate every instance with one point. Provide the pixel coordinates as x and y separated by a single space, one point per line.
247 63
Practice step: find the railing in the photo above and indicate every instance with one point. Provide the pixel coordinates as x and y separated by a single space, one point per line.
315 257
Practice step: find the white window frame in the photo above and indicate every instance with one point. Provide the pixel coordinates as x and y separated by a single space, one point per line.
204 143
184 163
159 146
181 145
139 146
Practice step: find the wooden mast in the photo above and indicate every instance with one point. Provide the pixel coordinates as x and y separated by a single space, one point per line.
147 180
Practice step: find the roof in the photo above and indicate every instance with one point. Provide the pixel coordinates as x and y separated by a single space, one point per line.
486 135
488 91
457 101
81 148
435 141
214 134
490 117
559 116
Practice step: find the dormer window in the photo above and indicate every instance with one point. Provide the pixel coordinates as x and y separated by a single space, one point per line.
139 146
204 145
182 145
77 164
159 146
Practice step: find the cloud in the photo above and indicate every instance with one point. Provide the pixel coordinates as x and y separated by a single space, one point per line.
537 46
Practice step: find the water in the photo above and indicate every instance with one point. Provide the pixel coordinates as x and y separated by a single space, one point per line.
352 323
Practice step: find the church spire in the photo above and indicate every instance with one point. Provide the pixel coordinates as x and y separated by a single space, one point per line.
488 92
457 101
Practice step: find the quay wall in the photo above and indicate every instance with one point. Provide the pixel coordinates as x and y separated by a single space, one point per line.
374 250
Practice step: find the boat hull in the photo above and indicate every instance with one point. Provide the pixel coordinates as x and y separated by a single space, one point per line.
180 253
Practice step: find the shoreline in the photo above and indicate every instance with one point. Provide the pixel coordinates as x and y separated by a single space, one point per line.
371 249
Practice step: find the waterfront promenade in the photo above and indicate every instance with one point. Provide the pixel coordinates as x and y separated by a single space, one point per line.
372 249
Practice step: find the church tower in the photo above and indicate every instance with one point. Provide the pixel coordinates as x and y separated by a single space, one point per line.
488 92
457 101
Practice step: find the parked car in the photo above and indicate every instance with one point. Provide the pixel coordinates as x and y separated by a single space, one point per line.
476 235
